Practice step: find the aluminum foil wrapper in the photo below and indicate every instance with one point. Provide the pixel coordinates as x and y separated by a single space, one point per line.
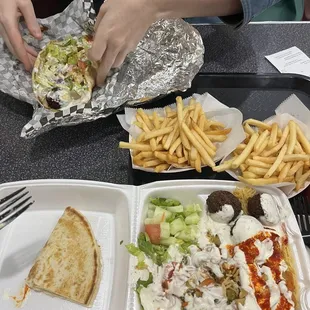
167 59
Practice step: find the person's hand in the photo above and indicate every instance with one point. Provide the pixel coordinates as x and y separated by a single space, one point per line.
10 13
119 27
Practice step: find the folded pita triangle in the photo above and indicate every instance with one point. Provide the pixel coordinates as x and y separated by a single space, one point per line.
69 265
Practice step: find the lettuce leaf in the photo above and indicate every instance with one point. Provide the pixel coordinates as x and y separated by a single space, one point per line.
133 250
157 253
163 202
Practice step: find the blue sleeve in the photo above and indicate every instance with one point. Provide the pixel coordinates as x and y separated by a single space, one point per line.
251 9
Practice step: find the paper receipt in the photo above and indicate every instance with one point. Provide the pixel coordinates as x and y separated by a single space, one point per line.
291 60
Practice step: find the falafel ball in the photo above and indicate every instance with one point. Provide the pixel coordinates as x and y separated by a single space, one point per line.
264 208
223 206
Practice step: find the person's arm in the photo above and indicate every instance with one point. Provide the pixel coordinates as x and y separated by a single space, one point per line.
197 8
122 24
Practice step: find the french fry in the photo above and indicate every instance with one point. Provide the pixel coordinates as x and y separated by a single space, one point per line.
215 138
180 107
210 151
267 160
141 137
299 174
165 139
219 132
278 147
179 150
156 133
273 135
296 157
241 147
182 160
152 163
145 119
198 163
193 153
256 163
250 175
243 167
156 120
204 155
281 166
204 137
196 112
172 122
161 167
142 155
201 122
259 124
258 171
169 140
289 179
262 147
245 153
172 158
295 168
248 129
303 140
292 138
135 146
216 124
259 181
224 166
276 164
163 125
163 156
261 140
284 172
185 151
301 181
172 114
175 146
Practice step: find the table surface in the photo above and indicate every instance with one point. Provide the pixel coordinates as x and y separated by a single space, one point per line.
90 151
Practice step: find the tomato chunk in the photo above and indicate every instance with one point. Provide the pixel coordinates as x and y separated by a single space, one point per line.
153 231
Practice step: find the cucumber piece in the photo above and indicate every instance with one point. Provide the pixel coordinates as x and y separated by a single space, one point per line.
164 214
150 213
189 234
192 219
177 209
169 241
193 208
176 226
153 220
151 207
164 230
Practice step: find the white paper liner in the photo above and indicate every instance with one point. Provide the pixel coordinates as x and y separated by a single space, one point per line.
214 109
291 109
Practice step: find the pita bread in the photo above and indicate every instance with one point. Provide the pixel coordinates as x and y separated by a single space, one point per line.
63 76
69 265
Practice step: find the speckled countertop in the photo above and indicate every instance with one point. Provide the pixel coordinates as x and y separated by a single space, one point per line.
90 151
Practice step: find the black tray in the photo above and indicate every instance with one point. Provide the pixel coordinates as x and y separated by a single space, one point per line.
254 95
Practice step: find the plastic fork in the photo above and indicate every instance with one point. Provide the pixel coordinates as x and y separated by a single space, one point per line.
13 206
301 208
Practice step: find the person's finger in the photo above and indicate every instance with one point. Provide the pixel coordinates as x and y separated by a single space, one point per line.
120 59
106 65
27 11
6 40
30 50
16 41
99 17
99 45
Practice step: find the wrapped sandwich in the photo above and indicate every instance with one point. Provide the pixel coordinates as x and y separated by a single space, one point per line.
63 76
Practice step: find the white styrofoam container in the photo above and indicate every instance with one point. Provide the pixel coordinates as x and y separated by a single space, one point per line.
116 213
